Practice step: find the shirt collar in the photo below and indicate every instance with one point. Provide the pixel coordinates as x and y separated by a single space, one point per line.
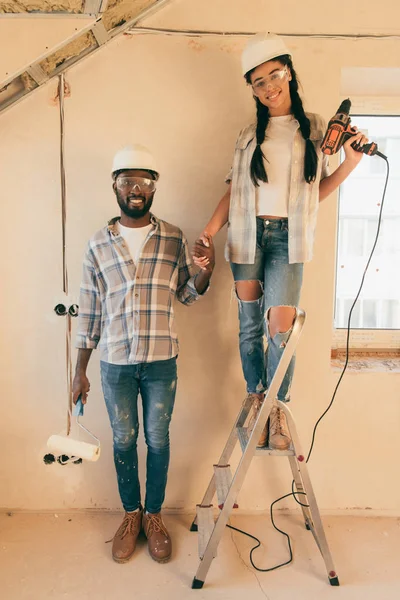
112 225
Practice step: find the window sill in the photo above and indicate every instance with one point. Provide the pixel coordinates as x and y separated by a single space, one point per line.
385 361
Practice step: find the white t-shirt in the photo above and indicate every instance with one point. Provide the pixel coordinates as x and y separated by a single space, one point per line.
134 237
272 197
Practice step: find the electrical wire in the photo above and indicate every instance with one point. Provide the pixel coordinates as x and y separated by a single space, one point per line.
61 96
63 186
294 493
217 33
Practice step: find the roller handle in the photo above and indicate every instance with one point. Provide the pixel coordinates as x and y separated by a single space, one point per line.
78 408
78 412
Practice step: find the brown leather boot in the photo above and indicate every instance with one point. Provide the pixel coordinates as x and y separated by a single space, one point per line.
124 542
279 436
158 539
257 402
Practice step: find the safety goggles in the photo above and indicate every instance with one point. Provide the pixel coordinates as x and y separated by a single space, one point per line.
141 183
272 80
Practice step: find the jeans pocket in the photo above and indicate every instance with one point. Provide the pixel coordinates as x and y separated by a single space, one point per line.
259 237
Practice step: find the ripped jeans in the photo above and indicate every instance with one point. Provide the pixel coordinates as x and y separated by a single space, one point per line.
281 283
156 383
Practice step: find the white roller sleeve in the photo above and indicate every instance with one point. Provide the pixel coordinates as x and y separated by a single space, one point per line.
61 444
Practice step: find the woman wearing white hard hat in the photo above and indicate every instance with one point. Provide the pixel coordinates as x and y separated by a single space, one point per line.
277 180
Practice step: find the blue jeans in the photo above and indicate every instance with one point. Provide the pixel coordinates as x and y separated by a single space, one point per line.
156 383
281 284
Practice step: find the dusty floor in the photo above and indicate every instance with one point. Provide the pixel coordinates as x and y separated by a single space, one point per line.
65 556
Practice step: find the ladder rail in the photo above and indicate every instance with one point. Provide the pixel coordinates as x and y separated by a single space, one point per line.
301 491
226 455
276 382
225 513
316 525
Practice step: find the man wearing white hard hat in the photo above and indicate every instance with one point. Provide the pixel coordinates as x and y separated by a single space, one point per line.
133 270
278 178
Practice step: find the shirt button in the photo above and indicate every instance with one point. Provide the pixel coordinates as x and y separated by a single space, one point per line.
136 295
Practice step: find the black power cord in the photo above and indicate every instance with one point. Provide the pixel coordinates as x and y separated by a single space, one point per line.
293 492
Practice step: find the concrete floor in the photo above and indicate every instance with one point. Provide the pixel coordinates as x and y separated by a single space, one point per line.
47 556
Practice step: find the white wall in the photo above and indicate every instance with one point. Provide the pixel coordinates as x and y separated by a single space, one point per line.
184 98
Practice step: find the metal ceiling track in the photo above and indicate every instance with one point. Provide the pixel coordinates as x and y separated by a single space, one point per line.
73 50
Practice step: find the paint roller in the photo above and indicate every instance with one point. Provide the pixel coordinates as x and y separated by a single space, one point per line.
75 448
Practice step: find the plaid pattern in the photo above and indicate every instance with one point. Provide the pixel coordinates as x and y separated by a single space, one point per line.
127 309
303 197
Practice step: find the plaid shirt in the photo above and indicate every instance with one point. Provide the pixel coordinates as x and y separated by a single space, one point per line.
128 308
303 197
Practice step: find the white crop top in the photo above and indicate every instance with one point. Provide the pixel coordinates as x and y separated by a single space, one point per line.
272 197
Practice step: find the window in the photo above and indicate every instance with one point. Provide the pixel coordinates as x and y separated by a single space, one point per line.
376 316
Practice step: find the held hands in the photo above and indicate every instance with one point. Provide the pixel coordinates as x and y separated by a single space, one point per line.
353 154
203 252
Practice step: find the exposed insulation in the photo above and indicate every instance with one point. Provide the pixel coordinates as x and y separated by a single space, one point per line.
43 6
74 48
20 86
119 11
22 82
28 81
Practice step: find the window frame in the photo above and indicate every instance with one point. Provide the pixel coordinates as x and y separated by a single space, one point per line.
387 340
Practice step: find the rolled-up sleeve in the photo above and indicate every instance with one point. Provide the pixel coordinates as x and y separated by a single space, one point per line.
89 322
186 291
228 176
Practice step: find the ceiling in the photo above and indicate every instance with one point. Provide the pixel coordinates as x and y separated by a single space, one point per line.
118 17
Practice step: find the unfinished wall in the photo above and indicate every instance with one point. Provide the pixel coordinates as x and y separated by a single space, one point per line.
184 98
118 16
24 41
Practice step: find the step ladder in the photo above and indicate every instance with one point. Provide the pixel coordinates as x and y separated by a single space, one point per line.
228 487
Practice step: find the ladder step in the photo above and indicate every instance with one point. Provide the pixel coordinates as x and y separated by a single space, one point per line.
243 437
223 480
205 525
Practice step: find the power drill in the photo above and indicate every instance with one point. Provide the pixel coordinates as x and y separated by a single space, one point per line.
339 131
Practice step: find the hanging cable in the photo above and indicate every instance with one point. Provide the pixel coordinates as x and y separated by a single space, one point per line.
61 95
68 359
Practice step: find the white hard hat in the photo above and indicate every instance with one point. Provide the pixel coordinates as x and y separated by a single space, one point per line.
260 48
134 157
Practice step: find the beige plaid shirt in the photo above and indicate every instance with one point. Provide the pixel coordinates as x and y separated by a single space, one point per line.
303 197
127 309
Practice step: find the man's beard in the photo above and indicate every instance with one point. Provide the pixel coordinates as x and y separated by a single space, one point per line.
132 211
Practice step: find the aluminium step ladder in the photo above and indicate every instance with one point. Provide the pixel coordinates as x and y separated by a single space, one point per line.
228 487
